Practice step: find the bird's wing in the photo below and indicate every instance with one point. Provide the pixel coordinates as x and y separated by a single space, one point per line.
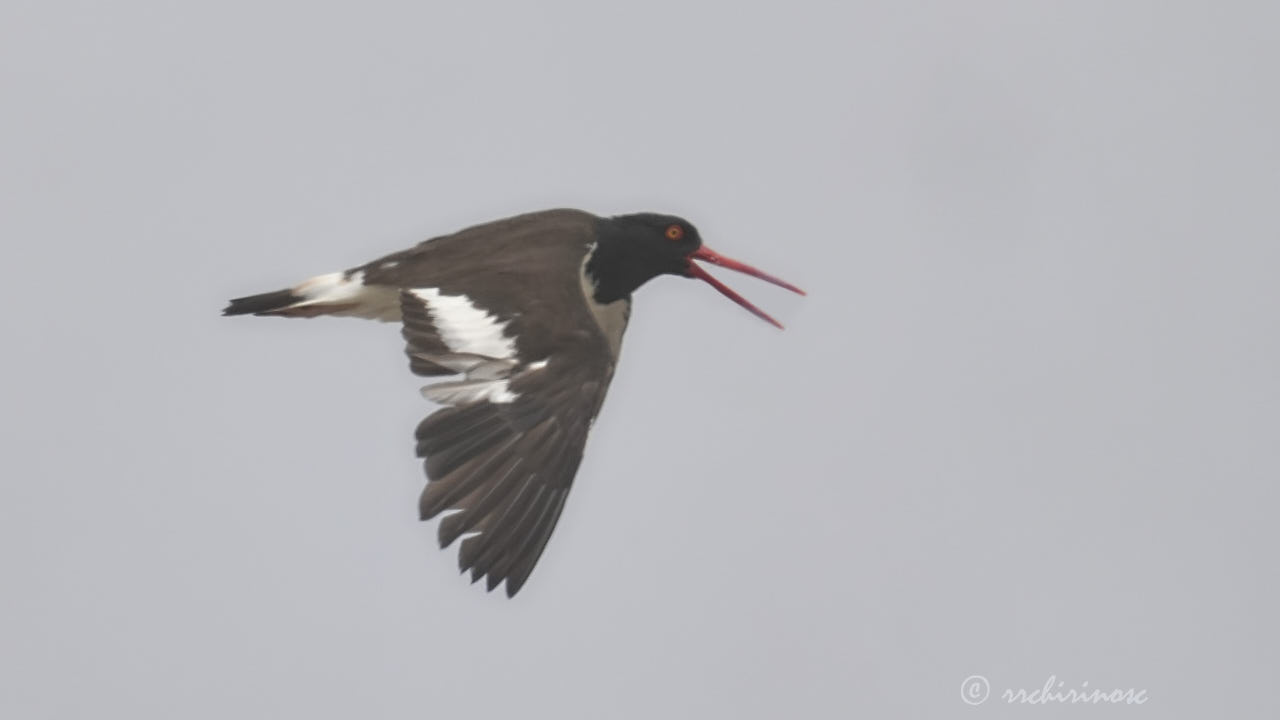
504 450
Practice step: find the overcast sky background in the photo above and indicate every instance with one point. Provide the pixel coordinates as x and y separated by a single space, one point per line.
1024 425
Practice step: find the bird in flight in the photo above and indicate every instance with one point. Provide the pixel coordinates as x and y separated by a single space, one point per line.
526 315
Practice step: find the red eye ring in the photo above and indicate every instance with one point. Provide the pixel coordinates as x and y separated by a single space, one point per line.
675 232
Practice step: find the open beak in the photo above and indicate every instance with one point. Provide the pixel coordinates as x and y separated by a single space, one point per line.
706 254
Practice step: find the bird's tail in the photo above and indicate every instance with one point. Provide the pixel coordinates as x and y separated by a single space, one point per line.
341 293
272 303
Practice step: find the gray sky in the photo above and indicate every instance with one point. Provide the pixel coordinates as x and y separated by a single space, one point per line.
1024 425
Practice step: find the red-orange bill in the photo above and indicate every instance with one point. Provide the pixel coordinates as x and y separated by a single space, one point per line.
714 258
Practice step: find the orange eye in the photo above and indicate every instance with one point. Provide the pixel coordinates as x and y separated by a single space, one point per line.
675 232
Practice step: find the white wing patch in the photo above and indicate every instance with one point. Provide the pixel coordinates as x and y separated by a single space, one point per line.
340 290
465 328
487 379
465 392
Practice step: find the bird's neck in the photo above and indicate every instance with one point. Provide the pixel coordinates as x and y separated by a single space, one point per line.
615 269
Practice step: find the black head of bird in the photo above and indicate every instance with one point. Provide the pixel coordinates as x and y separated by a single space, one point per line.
633 249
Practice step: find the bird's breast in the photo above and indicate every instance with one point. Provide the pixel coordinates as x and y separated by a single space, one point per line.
611 317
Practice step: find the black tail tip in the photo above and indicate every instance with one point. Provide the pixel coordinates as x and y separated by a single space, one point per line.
259 304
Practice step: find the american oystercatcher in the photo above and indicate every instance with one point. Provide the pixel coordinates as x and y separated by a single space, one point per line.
530 312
